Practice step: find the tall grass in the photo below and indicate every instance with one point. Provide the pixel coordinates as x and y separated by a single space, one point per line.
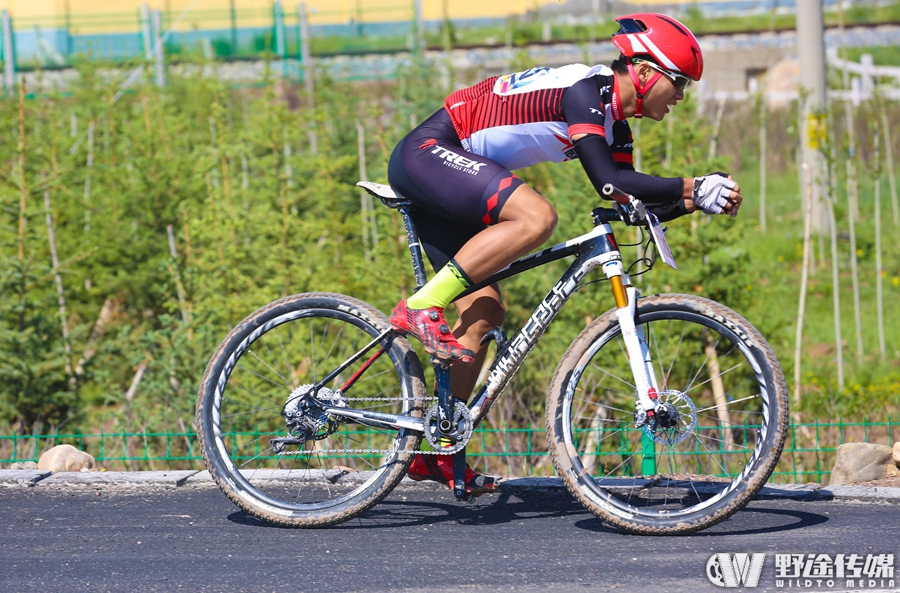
205 202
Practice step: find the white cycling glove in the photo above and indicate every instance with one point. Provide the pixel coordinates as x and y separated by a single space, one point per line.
711 192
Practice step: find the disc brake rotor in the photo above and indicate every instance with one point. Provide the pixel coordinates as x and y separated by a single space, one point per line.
683 425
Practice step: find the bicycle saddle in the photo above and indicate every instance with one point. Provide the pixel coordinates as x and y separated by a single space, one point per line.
384 193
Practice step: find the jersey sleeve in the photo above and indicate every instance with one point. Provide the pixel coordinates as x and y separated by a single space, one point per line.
597 159
622 146
582 108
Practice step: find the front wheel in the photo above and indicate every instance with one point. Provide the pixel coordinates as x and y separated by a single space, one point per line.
729 419
266 437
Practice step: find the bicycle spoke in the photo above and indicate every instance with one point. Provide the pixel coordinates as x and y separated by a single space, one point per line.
659 473
721 374
317 461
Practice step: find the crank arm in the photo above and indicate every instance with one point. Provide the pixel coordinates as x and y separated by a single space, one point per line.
377 419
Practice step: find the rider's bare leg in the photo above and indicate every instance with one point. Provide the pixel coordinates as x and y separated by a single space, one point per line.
524 223
479 312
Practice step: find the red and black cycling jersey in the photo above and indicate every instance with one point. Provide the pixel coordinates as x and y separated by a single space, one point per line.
455 166
530 117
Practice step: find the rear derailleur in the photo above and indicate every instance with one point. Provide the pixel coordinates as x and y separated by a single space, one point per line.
306 418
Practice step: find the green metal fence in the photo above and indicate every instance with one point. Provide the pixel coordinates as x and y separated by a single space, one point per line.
808 454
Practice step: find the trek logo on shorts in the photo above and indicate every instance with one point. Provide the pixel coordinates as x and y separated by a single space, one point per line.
457 161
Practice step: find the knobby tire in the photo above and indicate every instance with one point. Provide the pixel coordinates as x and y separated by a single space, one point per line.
681 479
283 349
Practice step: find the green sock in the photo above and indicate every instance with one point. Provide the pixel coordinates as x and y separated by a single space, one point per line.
449 282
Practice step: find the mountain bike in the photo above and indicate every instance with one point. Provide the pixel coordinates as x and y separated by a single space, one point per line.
666 414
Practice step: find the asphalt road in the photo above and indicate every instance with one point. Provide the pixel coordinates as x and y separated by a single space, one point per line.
154 539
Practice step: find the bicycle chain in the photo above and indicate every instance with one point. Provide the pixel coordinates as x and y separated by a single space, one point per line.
288 454
362 451
388 399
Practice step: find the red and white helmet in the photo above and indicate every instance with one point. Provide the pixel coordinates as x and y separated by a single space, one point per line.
661 39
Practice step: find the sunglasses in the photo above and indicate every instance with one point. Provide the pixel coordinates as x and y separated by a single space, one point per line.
679 81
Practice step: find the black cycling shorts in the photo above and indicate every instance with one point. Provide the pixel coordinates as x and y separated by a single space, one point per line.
455 194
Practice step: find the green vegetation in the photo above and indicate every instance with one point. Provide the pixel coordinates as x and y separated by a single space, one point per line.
883 55
255 215
528 28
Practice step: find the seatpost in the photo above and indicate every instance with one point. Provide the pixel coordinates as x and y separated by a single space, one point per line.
415 248
446 402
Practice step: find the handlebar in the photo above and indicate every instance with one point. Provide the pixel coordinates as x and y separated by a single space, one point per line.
614 193
628 209
632 212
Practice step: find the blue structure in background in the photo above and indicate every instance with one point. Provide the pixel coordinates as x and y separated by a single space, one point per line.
53 46
50 46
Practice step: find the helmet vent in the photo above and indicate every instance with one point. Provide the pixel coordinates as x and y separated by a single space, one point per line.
630 26
675 25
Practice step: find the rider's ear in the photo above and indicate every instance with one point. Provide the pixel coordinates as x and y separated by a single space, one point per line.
644 72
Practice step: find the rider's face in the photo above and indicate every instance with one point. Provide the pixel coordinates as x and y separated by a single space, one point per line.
661 97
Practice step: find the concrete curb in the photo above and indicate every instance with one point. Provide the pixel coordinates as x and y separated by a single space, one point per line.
11 478
165 479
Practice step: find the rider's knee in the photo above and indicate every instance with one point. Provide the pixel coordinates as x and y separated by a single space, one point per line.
543 222
493 315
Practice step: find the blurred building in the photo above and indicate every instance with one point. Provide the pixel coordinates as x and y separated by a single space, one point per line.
52 29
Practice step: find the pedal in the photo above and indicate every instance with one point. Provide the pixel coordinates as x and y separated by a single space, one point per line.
459 476
498 335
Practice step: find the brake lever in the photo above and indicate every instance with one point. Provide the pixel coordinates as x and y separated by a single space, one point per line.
633 209
633 213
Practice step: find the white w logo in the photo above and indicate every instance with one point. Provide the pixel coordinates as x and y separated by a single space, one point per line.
723 570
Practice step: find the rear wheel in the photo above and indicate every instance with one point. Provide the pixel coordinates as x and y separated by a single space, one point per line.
728 418
266 439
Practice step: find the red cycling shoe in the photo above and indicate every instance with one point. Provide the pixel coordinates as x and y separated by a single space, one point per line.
430 327
439 468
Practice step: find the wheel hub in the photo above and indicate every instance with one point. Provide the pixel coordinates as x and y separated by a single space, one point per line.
673 420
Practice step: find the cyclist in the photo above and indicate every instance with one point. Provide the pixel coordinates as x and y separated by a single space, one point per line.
475 217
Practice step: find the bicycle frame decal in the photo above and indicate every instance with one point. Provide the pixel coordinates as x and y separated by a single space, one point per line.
598 248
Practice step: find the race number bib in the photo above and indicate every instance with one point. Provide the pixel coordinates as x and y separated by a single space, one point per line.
510 83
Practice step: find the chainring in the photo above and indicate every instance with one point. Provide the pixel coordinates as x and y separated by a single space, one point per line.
462 421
